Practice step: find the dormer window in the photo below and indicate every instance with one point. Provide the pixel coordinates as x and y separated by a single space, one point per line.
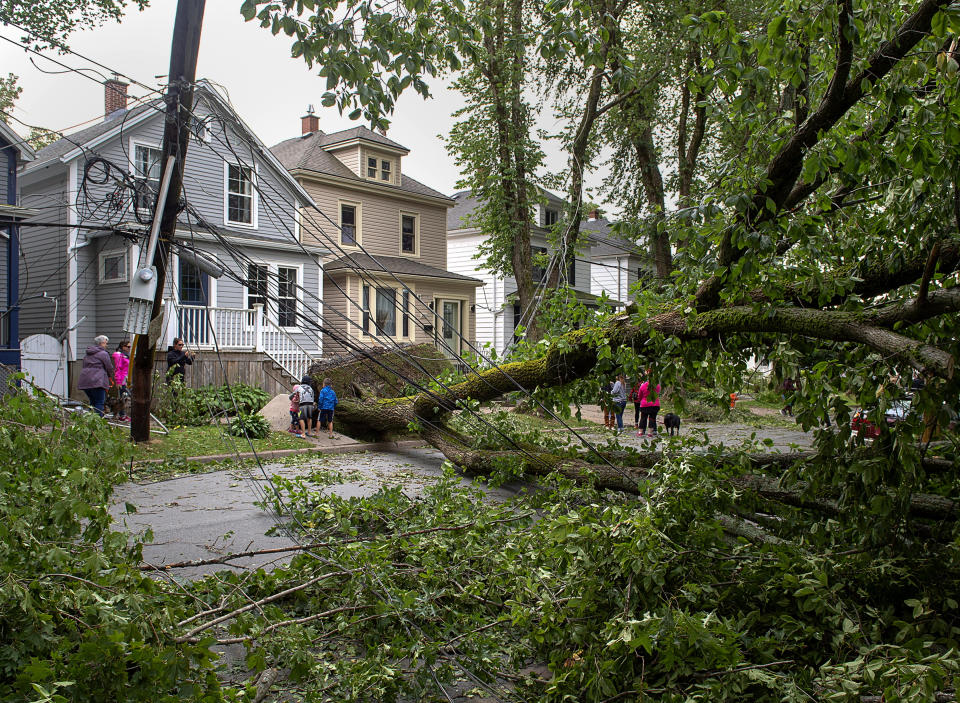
371 167
384 170
550 217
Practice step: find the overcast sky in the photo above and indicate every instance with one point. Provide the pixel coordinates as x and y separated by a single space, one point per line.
269 89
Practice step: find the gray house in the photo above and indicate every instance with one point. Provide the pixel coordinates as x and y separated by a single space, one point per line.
94 190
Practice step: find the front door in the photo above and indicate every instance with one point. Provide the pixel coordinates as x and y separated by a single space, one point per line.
193 286
451 329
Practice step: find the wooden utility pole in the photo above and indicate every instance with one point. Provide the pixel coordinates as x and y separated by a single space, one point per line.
179 103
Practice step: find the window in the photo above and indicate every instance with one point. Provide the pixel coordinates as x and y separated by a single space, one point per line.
240 195
572 273
384 170
256 288
406 313
113 266
408 234
366 310
287 296
348 225
537 271
371 167
146 168
200 127
386 313
550 217
384 320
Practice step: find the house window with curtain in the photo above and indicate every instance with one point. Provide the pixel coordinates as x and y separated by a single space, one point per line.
146 168
386 312
408 234
348 225
239 195
287 296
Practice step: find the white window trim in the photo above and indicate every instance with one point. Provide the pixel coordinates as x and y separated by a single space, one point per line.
125 269
132 158
358 216
273 292
255 205
359 332
416 234
298 290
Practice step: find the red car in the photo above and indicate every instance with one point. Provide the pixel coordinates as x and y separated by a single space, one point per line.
861 423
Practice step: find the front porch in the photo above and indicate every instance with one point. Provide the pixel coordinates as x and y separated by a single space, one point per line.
252 330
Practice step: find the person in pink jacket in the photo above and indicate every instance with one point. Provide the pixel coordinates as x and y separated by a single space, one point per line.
649 394
121 366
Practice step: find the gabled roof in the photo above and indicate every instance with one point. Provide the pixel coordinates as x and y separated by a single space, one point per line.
309 152
603 241
394 264
117 120
86 140
17 142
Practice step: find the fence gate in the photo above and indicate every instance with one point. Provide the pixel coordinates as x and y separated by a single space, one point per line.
43 361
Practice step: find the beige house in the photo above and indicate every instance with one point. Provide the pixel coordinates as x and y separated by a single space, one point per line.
387 275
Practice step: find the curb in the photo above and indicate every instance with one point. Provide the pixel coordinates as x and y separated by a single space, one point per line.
278 453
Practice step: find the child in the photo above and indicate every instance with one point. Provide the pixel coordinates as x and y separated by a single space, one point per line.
295 412
327 402
305 398
119 391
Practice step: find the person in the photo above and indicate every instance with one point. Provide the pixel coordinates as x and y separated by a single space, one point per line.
294 412
619 395
305 396
96 373
635 397
177 359
121 395
649 393
606 404
327 402
315 415
787 389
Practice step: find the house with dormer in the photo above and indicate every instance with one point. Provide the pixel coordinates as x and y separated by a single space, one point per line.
241 281
386 279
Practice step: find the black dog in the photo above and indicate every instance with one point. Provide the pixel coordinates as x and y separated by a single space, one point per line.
672 422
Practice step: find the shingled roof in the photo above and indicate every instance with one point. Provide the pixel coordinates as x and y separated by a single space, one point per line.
309 152
394 264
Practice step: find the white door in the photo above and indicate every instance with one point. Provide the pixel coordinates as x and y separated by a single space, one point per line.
450 334
44 363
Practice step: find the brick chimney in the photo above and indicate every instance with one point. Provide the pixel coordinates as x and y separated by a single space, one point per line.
309 122
114 95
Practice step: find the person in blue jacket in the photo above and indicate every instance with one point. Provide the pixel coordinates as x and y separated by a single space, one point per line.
326 402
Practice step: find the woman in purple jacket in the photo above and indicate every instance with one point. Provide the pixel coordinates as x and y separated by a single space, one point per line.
96 373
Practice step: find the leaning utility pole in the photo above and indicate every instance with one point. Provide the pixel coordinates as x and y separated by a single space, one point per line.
179 103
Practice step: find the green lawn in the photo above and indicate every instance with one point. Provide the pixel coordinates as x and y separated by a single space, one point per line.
185 442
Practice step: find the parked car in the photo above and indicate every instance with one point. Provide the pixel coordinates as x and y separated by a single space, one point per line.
863 423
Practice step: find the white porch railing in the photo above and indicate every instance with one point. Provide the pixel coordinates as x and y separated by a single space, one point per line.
237 329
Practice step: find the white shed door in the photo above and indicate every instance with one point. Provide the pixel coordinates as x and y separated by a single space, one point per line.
43 361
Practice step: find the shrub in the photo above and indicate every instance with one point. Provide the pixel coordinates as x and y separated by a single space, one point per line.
249 425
